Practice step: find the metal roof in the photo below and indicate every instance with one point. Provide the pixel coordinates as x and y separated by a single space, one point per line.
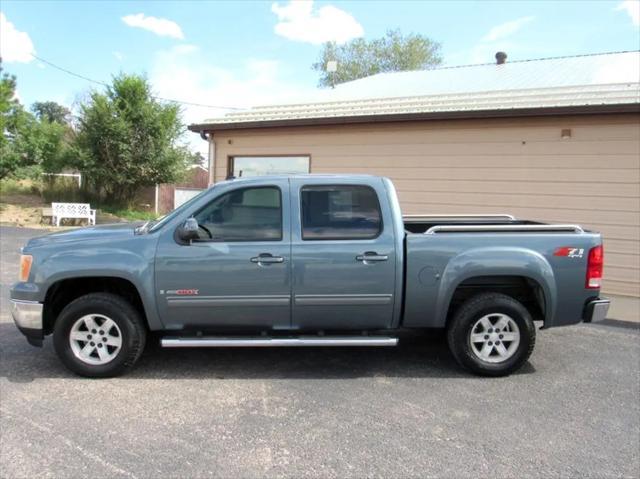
587 83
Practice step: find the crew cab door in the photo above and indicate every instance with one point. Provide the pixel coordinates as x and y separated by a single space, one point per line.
343 253
237 274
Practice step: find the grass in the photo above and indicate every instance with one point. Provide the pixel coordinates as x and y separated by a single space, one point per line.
32 193
129 214
9 186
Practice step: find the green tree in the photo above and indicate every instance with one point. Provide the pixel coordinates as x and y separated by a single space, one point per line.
360 58
51 111
127 140
14 122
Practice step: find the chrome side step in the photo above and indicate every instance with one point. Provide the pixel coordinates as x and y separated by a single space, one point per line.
264 342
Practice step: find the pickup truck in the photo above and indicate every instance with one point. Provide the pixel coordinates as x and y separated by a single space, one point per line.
313 260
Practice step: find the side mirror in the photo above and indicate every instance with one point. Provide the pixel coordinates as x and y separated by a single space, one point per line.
189 230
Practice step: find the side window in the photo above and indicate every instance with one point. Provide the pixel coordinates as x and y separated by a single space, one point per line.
340 212
247 214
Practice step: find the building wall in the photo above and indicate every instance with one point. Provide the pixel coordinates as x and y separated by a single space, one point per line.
518 166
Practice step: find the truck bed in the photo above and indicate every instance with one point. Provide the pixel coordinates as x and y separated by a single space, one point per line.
444 250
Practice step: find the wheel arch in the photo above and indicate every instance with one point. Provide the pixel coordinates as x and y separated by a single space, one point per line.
63 291
514 270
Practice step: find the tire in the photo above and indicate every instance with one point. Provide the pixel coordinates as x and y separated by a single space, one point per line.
116 349
482 348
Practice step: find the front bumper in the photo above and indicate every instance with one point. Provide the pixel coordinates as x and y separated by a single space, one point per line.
28 318
596 310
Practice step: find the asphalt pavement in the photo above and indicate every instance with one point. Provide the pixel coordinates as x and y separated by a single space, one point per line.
572 411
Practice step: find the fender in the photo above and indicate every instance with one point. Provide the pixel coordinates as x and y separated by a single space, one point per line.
111 262
493 261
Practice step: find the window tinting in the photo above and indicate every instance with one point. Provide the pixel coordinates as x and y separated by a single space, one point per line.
248 214
340 212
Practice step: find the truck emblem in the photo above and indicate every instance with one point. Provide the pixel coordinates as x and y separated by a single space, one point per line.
184 292
569 252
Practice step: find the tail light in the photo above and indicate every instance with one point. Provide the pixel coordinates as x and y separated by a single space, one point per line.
594 268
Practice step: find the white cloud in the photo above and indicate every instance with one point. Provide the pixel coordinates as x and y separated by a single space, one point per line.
632 7
506 29
119 56
299 21
159 26
15 46
186 73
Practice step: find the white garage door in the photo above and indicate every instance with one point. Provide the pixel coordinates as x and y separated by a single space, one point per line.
182 195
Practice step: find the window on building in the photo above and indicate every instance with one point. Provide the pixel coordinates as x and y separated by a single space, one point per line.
243 166
340 212
246 214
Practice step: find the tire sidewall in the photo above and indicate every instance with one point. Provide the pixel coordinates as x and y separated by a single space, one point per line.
98 304
500 304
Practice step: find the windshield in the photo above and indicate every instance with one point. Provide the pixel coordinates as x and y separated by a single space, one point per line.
156 224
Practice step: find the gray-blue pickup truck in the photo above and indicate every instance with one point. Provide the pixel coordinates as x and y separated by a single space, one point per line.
314 260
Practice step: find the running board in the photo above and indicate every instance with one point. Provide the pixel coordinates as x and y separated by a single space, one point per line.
262 342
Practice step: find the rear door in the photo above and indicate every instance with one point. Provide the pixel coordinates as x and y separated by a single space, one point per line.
343 254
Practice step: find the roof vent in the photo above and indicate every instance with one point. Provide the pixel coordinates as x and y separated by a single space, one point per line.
501 58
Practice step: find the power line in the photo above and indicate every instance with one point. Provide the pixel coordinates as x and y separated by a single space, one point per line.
98 82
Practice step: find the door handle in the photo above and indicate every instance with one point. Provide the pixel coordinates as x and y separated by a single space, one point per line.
267 258
371 256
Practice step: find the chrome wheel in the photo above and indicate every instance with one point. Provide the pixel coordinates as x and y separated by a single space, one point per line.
95 339
495 338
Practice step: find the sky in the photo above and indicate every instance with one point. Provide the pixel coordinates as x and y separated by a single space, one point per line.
245 53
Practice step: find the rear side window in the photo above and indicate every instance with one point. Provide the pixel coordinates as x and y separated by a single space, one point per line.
340 212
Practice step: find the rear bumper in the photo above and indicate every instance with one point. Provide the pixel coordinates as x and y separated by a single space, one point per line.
28 318
596 310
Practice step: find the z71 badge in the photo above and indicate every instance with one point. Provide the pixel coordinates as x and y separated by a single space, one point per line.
569 252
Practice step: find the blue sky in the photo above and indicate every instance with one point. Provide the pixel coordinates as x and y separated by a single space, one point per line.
242 53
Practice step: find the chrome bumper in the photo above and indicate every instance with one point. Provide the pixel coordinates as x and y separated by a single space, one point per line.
596 310
27 314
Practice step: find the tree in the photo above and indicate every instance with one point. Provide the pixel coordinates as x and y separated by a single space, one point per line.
14 122
127 140
51 111
360 58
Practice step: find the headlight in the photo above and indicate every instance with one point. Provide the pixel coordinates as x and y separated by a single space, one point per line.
25 267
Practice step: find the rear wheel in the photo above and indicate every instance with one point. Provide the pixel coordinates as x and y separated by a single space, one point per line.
99 335
491 334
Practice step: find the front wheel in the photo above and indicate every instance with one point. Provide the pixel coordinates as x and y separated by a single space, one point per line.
491 334
99 335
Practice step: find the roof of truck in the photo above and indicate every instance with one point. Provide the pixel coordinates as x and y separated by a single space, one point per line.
266 178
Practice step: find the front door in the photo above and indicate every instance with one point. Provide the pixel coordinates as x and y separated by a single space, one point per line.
237 274
344 256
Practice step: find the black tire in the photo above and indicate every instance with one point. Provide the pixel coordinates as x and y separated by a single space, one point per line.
461 324
126 317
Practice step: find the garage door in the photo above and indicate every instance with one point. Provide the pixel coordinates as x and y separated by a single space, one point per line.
182 195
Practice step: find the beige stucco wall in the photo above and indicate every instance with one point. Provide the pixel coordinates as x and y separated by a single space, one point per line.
517 166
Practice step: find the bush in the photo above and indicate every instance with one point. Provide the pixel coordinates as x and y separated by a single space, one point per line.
10 186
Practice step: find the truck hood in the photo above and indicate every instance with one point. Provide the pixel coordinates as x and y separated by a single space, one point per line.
102 232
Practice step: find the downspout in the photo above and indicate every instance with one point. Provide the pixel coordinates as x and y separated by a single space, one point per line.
212 155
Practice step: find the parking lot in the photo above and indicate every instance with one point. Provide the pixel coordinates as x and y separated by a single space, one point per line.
573 410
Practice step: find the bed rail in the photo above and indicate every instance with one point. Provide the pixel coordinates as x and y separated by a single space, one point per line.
499 216
504 229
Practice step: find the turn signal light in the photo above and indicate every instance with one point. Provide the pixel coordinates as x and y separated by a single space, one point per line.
25 267
594 268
